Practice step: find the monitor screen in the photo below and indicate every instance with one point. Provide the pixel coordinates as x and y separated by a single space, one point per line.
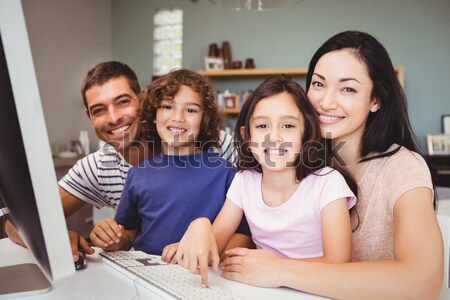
28 186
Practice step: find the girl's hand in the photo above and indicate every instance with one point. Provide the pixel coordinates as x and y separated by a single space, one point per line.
168 254
197 247
107 234
255 267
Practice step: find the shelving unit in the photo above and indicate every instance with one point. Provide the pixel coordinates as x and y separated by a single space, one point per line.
270 72
254 72
242 74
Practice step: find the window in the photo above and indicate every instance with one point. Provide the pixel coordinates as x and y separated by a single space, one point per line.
168 40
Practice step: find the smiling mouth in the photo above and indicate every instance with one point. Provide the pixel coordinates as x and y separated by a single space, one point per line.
120 130
328 119
176 131
275 151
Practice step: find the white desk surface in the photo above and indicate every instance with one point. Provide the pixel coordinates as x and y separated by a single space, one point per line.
99 281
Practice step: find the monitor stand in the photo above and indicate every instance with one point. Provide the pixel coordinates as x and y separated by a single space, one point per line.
22 280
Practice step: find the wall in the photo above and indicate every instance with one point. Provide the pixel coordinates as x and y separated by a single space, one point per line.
415 32
67 38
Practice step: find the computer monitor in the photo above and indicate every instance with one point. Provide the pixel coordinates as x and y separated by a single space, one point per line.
28 186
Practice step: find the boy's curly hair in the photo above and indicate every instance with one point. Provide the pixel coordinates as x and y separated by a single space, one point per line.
165 88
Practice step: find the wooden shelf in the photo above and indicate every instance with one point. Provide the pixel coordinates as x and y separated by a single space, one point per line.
253 72
268 72
231 111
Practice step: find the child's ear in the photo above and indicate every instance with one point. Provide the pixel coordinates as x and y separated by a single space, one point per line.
375 105
243 132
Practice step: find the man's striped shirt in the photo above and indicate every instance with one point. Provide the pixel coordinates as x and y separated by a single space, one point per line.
99 178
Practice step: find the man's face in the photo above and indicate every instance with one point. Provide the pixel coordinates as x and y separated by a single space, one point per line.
112 108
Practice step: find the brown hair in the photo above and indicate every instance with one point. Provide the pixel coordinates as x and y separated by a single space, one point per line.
165 88
314 154
105 71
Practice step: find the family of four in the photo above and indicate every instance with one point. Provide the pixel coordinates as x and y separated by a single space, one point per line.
322 190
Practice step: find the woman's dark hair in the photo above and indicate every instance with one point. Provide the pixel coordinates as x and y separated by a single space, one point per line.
390 124
165 88
313 156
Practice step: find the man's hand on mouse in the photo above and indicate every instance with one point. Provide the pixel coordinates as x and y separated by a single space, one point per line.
78 242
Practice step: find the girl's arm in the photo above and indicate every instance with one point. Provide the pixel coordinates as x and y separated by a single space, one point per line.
415 273
336 233
109 236
203 242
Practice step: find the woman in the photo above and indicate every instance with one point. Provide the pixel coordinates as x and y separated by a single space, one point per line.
397 247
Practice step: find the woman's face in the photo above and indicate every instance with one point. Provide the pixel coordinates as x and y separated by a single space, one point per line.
340 91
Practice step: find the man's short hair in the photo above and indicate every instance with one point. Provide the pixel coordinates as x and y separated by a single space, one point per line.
105 71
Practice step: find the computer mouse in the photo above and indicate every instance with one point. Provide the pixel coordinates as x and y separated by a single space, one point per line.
81 263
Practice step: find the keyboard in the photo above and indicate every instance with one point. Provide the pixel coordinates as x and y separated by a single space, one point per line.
172 279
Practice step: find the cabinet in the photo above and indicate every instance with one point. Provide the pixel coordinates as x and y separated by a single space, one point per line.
440 169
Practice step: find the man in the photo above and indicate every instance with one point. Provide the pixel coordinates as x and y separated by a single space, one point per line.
110 94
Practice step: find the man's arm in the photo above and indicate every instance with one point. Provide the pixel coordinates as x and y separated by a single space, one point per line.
70 203
12 234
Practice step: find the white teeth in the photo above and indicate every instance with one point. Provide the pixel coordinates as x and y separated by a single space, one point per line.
275 151
177 130
329 118
120 130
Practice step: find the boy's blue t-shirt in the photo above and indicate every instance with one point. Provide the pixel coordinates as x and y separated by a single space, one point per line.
163 195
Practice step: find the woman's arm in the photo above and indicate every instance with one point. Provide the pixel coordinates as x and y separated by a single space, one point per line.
416 272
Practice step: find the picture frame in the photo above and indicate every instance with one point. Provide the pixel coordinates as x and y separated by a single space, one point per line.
213 63
231 101
446 124
438 143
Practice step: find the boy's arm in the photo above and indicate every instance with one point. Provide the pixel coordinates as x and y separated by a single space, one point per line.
109 236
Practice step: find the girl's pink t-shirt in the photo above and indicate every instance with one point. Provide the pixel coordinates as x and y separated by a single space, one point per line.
292 229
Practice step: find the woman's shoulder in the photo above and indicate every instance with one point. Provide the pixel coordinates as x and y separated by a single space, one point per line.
405 159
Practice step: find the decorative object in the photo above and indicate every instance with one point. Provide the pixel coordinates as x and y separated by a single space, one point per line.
446 123
231 100
257 5
249 63
237 64
213 50
438 144
226 54
213 63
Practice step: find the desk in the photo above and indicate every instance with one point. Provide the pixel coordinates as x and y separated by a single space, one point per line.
99 281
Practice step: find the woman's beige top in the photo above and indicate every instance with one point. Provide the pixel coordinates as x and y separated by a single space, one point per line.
383 182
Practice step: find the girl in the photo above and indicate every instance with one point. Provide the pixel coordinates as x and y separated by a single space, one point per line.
294 207
397 248
162 195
